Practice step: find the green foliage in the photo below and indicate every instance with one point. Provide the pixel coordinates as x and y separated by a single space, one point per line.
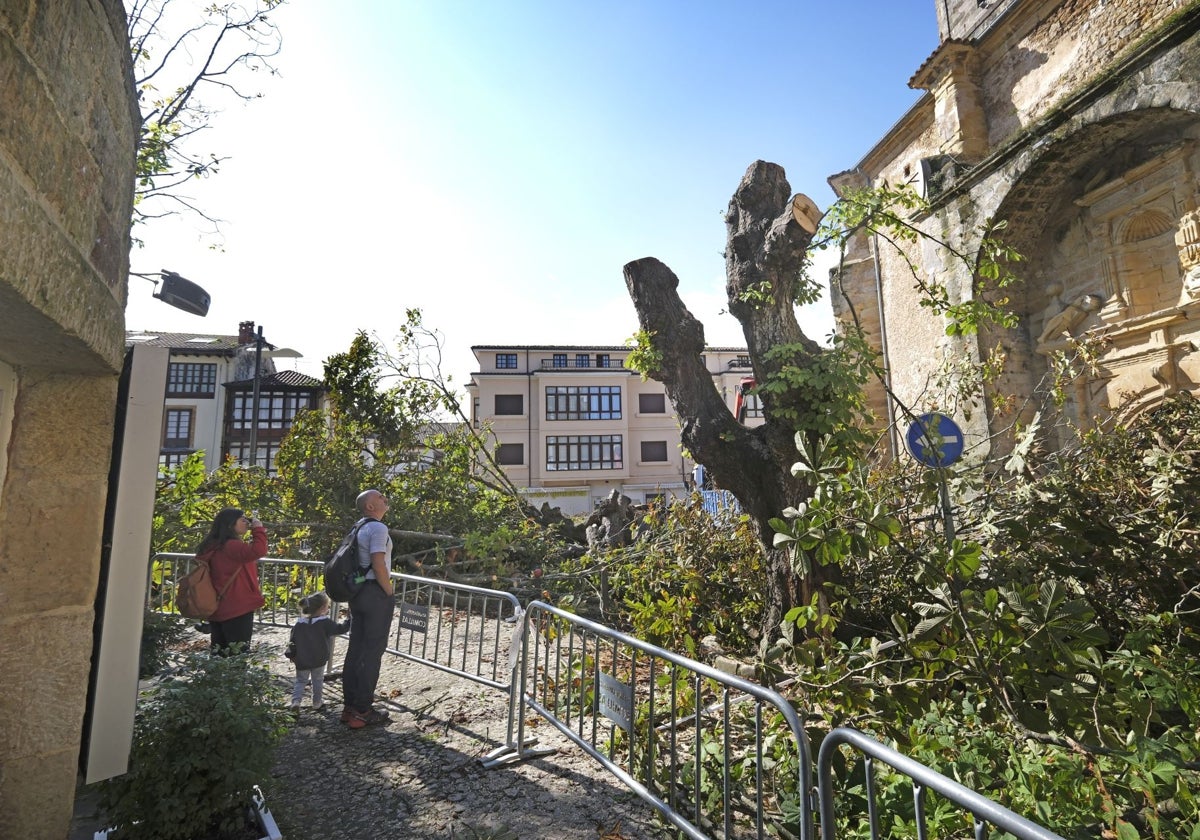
161 632
201 741
1045 653
643 356
689 577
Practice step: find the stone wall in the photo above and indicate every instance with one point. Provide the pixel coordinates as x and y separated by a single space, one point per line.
1076 123
68 132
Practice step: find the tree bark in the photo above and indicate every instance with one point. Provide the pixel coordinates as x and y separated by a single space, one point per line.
767 245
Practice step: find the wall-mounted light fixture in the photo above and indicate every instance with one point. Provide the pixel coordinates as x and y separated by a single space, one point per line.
179 292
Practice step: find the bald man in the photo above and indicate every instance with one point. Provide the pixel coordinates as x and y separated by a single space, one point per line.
370 615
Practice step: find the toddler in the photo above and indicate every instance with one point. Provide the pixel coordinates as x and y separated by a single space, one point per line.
309 647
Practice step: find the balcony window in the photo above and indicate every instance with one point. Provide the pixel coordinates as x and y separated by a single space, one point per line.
583 402
603 360
560 360
584 452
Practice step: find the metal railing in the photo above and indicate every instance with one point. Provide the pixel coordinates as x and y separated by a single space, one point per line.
984 811
714 754
459 629
708 750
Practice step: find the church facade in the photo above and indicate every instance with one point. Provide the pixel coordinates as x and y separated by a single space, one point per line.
1076 124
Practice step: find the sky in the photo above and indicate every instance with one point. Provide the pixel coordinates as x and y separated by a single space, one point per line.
495 163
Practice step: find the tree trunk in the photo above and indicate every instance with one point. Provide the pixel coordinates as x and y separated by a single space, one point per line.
767 243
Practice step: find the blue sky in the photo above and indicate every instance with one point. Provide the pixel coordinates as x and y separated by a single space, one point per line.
495 164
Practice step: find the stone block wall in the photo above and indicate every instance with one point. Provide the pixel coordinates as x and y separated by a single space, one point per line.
68 134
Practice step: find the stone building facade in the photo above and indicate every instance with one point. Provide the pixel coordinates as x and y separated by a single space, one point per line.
1075 122
68 132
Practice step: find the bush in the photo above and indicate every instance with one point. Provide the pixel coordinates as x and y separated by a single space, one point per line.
201 741
160 633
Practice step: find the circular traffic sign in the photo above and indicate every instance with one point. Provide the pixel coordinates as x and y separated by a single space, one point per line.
935 440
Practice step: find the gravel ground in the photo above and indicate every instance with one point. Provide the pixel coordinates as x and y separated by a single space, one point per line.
420 776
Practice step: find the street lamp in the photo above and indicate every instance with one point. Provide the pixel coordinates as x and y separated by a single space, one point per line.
179 292
281 353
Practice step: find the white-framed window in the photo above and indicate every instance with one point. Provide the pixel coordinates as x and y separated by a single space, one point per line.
192 379
584 452
583 402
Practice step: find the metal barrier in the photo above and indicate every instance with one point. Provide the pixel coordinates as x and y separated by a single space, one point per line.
708 750
283 581
459 629
983 810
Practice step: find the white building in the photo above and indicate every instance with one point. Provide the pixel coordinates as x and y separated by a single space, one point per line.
572 423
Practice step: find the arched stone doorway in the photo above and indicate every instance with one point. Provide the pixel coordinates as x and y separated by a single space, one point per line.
1107 220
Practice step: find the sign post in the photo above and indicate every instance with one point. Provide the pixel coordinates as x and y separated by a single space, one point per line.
936 441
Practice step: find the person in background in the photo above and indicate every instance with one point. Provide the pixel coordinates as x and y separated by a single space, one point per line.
309 648
370 615
234 561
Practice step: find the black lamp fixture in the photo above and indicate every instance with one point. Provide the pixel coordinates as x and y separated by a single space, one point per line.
179 292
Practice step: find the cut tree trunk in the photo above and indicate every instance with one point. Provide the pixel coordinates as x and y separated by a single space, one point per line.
768 235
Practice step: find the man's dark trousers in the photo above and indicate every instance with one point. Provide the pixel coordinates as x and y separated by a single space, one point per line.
371 623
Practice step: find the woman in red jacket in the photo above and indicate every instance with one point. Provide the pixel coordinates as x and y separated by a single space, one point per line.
234 564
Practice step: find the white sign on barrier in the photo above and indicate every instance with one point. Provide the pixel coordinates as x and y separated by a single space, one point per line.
415 617
616 702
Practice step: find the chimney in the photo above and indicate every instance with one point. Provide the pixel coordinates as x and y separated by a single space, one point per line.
246 333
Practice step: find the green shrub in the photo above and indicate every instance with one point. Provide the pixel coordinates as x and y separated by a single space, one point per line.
161 632
201 741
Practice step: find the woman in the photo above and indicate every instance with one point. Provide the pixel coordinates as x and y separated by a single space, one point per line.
234 564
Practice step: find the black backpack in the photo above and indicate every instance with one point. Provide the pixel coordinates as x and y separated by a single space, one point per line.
343 576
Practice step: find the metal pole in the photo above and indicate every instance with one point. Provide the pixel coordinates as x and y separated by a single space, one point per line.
258 343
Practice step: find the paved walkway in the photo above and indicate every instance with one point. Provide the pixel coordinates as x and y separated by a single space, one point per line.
420 775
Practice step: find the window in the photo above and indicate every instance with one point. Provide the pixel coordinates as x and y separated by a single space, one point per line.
510 404
170 460
583 402
584 452
654 451
510 454
752 407
652 403
583 360
603 360
192 379
276 409
560 360
506 361
177 428
264 455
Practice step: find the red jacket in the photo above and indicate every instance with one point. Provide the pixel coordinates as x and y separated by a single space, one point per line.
238 559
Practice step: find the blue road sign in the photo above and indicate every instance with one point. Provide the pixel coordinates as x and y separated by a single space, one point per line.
935 440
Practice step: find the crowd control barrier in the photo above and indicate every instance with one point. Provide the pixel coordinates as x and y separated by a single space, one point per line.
984 811
714 754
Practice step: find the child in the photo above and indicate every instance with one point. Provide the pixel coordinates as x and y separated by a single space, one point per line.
309 648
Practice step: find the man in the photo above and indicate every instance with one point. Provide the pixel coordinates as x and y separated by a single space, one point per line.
370 613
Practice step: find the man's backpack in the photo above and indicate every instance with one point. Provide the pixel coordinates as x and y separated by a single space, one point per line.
343 576
195 595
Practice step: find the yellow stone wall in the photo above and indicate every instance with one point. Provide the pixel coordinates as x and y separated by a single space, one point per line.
68 130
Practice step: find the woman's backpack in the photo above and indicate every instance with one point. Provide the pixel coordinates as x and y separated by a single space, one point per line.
195 595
